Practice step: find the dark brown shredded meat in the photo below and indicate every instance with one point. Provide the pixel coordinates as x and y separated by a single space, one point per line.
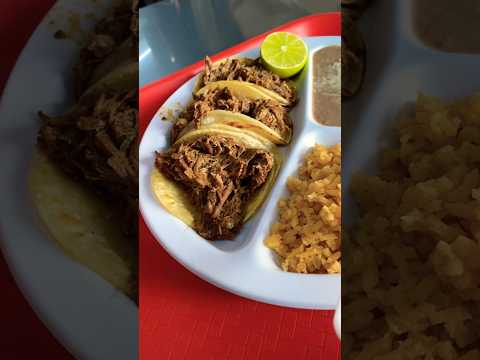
221 177
249 71
134 20
109 33
98 144
268 112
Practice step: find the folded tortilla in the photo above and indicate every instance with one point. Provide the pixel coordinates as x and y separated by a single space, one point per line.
173 197
83 226
281 90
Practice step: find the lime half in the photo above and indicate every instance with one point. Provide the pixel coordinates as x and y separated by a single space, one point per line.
284 53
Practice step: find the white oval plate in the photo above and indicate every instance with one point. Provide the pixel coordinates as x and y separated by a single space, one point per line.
87 315
243 266
399 66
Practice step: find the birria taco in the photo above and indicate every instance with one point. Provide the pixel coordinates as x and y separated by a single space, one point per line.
232 103
84 173
215 178
84 181
259 79
242 94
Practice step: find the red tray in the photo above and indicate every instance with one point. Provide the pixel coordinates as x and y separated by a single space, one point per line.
184 317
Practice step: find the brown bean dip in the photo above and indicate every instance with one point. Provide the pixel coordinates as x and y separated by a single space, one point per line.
327 86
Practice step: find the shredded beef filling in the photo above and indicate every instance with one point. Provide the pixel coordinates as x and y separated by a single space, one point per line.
98 144
221 177
109 33
252 72
268 112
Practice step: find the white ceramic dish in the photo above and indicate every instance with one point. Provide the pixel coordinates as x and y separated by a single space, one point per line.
399 66
244 266
87 315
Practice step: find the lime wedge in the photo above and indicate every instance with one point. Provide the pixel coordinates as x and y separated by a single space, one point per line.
284 53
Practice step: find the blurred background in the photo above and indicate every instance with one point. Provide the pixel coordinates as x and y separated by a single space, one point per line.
176 33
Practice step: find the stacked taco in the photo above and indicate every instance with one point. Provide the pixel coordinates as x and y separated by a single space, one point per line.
223 159
84 174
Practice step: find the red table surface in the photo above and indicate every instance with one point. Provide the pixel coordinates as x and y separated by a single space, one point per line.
23 335
184 317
